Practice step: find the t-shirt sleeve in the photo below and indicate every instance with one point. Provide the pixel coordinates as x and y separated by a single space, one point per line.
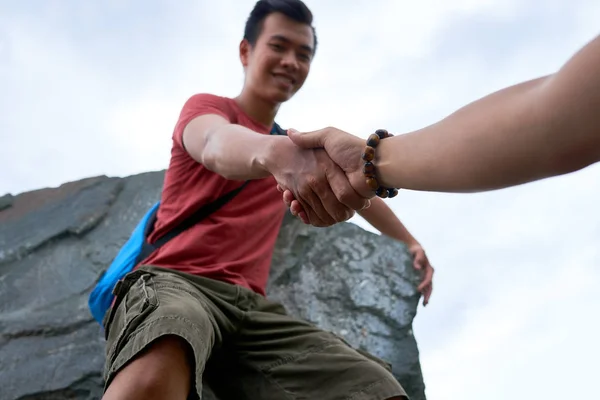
195 106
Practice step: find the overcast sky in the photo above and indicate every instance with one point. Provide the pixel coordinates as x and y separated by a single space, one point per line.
93 88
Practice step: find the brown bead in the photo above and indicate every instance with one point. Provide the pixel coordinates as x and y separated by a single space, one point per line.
382 192
373 140
393 192
369 168
372 183
381 133
368 154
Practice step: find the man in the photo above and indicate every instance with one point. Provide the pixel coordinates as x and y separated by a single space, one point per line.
197 306
534 130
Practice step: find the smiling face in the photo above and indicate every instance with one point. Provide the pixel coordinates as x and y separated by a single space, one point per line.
278 64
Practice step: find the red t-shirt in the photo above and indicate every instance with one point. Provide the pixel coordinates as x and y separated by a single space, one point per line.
235 244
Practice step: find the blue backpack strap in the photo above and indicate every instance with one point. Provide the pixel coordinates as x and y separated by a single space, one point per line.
277 130
137 248
148 248
101 297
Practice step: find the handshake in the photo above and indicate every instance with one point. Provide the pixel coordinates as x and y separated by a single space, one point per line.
321 175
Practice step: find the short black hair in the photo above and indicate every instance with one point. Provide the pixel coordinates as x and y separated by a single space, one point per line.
293 9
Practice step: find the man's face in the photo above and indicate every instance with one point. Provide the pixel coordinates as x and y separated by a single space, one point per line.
278 64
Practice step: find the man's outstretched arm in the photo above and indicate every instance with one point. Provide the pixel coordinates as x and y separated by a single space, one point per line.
534 130
239 153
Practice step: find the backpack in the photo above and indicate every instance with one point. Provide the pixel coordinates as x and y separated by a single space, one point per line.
137 248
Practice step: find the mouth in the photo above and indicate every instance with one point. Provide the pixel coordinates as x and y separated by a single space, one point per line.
285 79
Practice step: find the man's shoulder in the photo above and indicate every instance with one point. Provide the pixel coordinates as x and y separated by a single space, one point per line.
208 103
208 99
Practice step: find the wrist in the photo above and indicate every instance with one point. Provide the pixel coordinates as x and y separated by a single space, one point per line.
372 159
268 158
359 183
383 160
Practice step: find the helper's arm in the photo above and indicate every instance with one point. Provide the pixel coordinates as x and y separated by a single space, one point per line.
537 129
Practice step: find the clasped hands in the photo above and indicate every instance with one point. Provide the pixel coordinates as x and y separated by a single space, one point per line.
323 183
327 185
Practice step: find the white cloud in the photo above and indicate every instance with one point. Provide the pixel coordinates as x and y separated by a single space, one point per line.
95 88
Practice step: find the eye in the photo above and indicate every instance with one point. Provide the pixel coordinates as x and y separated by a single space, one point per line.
276 47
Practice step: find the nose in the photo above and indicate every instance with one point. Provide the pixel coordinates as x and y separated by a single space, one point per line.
289 61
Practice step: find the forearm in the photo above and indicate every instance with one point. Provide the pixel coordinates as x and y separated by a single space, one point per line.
238 153
485 145
382 218
541 128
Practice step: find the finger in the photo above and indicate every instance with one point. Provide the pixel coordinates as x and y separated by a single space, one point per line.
288 198
336 190
310 215
308 140
317 193
279 188
303 217
296 208
319 216
348 200
297 211
304 203
419 260
427 294
417 265
427 279
312 206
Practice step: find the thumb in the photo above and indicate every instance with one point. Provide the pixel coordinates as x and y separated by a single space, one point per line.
307 140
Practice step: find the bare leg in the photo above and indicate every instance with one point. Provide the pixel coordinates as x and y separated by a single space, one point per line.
163 371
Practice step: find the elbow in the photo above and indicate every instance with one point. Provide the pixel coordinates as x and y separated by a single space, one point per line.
208 159
211 161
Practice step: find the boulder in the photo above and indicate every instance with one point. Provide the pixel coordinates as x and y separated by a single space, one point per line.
54 244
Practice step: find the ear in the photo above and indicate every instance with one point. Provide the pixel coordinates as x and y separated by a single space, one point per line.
244 52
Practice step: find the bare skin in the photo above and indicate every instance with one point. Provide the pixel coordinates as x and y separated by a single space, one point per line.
275 69
163 371
534 130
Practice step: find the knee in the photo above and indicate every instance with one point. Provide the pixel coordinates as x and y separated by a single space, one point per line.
167 359
162 371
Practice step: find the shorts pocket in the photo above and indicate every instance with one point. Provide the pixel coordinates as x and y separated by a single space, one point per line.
138 302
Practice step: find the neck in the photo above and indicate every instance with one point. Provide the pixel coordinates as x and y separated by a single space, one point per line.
256 108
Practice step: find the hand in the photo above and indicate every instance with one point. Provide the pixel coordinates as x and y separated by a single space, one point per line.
421 263
343 148
319 186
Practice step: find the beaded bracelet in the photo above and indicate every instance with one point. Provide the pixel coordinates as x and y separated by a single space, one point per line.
369 168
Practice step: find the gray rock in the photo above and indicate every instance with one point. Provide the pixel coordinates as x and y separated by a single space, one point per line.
6 201
54 243
72 209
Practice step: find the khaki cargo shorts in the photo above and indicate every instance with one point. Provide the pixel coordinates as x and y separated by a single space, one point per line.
250 345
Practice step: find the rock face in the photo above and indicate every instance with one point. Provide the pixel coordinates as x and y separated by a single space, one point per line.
54 243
